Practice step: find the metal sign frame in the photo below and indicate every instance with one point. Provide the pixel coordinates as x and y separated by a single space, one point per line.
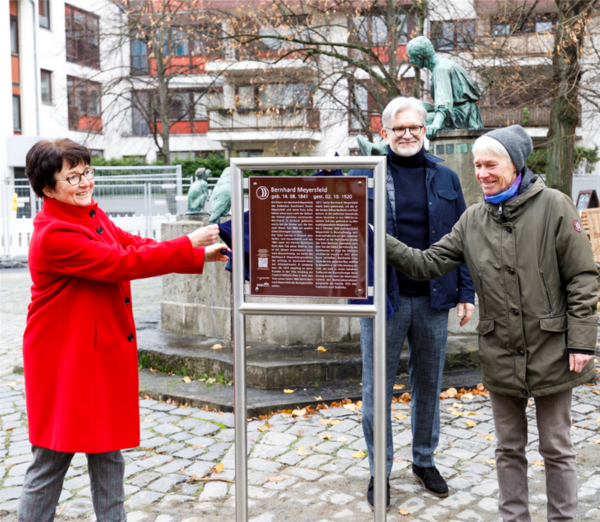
377 311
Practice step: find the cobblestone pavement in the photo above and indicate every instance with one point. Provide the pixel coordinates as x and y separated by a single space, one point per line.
322 482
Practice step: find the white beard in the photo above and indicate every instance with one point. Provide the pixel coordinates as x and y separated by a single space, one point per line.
407 152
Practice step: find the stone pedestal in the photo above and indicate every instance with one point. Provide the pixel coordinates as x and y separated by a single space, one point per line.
455 147
202 305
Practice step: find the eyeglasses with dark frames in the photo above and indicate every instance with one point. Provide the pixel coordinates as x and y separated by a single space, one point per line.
400 132
75 179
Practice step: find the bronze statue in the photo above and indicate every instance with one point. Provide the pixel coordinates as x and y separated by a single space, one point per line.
454 94
198 193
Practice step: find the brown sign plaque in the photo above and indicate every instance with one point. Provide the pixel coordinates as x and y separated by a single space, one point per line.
308 236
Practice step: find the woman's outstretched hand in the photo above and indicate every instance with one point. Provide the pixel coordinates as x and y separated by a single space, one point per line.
204 236
213 253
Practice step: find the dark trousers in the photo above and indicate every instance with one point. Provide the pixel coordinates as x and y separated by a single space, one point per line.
45 477
427 331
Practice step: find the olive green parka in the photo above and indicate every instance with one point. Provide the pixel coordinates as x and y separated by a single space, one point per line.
536 280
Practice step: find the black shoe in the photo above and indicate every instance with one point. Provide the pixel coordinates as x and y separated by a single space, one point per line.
431 480
370 493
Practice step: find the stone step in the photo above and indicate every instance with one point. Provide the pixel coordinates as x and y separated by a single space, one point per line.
160 386
272 367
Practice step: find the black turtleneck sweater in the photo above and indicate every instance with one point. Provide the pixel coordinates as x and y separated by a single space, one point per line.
412 211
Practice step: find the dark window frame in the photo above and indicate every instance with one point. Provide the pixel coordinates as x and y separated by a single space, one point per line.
136 70
19 127
45 3
78 47
459 29
73 105
50 75
14 22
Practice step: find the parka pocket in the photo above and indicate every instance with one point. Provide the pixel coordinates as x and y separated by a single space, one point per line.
485 326
556 324
450 195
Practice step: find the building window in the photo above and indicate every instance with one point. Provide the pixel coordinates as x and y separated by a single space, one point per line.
16 113
284 95
139 57
82 32
14 36
44 13
373 30
46 77
453 34
83 99
533 24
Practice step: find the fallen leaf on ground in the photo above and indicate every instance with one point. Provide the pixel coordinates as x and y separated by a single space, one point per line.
264 427
596 441
217 346
490 461
400 416
457 413
342 439
321 349
398 459
62 508
468 396
218 468
326 436
248 347
301 451
573 427
457 406
148 420
399 386
483 434
489 438
360 454
286 415
197 446
444 395
358 405
538 462
405 398
276 479
470 423
404 512
187 380
333 422
598 419
318 398
299 413
153 370
289 391
350 407
324 421
474 413
451 392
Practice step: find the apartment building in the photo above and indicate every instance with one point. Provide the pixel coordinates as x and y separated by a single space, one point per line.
228 101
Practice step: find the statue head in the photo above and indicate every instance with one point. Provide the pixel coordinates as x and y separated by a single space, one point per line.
420 51
202 173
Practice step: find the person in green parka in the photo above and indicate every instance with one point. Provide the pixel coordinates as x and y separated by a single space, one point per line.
537 285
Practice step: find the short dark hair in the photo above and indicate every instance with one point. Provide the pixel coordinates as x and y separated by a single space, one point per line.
46 158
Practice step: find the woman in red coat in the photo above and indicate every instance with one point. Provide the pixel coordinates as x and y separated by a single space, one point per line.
79 347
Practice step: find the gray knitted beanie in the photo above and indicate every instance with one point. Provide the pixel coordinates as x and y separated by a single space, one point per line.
516 141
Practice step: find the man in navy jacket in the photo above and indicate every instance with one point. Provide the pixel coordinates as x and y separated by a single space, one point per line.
424 201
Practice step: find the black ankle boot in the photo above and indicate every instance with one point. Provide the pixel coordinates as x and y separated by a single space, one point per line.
431 480
370 493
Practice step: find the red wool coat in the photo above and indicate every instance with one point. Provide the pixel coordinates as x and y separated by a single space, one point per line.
79 347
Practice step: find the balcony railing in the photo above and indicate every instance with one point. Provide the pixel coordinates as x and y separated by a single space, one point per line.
271 119
526 117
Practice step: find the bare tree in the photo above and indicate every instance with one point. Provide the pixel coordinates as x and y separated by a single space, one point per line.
168 40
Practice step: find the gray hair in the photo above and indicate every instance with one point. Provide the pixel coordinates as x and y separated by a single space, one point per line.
400 104
490 146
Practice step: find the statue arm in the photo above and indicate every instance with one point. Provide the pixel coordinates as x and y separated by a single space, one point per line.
443 101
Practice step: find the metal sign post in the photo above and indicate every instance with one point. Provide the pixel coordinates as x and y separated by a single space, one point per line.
377 311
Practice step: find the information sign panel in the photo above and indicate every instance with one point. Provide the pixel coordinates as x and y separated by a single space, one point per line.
308 236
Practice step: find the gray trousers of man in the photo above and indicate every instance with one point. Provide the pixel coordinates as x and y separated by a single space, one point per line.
44 481
553 415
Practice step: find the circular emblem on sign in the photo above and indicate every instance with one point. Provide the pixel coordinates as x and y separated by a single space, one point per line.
577 225
262 192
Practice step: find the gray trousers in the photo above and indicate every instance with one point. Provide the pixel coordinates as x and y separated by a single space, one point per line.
553 415
44 480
